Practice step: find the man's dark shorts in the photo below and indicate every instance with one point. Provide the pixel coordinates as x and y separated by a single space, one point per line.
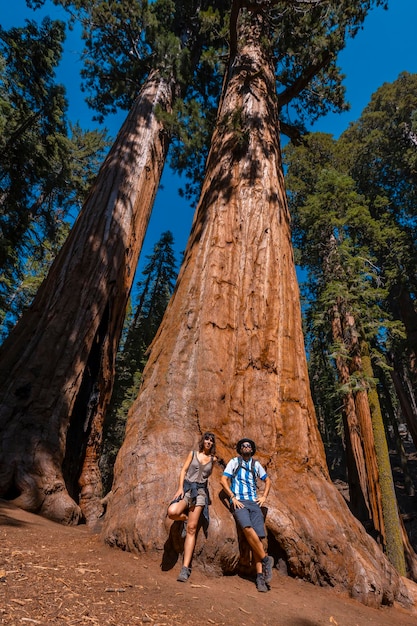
251 516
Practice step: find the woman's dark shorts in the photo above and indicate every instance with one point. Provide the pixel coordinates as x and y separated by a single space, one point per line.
201 497
251 517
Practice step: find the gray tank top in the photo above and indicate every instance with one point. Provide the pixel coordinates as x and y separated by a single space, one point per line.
197 472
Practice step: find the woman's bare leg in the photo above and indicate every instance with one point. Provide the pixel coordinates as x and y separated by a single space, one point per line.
189 543
176 511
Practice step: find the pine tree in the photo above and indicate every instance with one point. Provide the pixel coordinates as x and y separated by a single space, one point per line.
333 227
32 271
46 165
383 141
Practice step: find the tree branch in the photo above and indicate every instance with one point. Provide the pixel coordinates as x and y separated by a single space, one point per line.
302 81
234 14
292 132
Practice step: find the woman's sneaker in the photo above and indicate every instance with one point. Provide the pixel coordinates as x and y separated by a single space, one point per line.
184 574
260 583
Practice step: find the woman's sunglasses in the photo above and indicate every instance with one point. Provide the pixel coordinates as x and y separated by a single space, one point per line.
209 439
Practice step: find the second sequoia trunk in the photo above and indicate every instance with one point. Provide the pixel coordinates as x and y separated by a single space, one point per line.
229 357
57 365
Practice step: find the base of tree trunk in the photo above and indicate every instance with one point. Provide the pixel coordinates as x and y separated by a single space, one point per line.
324 544
310 533
57 506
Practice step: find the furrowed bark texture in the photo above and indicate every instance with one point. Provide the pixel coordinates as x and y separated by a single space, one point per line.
358 476
366 497
229 357
57 366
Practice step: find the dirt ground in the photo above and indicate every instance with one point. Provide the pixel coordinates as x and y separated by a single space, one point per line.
51 574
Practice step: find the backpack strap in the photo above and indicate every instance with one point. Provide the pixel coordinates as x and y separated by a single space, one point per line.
240 465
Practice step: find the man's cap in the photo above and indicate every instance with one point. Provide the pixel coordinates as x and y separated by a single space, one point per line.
245 440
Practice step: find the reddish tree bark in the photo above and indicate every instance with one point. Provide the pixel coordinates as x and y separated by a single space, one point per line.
57 365
363 478
364 429
229 357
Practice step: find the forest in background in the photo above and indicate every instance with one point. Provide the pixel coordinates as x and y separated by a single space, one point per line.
352 206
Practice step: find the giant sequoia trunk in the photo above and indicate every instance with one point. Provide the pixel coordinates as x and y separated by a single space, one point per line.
57 365
229 357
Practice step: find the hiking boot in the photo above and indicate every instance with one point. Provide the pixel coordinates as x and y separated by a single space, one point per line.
184 574
184 530
260 583
267 565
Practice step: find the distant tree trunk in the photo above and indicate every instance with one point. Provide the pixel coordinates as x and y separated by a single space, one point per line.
403 389
380 492
229 356
363 481
367 432
393 537
409 317
403 307
396 436
57 365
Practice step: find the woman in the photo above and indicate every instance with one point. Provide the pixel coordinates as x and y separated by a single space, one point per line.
192 498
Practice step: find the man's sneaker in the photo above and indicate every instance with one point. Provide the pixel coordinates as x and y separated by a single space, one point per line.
184 574
267 565
260 583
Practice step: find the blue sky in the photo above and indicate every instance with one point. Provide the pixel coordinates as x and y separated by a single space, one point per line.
384 48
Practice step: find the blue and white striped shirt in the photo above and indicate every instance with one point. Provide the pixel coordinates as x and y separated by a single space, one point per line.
243 483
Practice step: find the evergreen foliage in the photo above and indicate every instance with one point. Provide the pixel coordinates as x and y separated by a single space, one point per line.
46 165
184 41
154 292
352 206
189 41
337 240
384 144
33 270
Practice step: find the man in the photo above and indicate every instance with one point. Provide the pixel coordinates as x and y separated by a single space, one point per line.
239 483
